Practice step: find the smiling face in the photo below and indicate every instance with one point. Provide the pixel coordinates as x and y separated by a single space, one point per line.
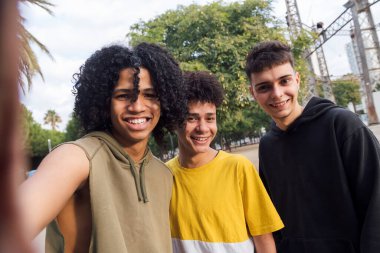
276 91
133 122
199 129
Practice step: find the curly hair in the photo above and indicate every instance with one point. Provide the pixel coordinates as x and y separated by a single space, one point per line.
204 87
97 78
267 55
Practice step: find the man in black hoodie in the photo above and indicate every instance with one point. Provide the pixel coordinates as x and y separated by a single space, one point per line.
320 163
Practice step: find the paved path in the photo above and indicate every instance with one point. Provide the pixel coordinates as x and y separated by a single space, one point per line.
251 151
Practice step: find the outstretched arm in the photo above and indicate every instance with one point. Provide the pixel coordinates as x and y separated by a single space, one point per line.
264 243
45 194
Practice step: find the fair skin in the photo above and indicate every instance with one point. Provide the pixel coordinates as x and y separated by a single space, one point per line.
60 185
276 91
194 139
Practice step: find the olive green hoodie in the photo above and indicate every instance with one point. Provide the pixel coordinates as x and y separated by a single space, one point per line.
130 205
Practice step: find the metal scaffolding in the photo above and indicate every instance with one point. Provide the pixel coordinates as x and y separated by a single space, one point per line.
367 46
365 43
325 76
295 28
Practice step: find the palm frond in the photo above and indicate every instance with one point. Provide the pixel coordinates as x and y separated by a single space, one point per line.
45 5
29 65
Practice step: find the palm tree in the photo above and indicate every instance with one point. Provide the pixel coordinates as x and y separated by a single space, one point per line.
29 66
52 118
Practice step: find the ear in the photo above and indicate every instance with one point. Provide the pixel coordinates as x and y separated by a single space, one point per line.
252 91
298 80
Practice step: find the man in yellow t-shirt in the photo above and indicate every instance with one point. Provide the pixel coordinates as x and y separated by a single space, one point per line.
219 203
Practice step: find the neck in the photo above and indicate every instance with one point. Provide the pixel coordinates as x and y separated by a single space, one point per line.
196 160
136 152
135 149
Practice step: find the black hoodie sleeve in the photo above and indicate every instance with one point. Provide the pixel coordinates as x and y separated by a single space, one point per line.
361 158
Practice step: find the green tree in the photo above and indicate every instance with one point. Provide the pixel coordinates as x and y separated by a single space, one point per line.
214 37
346 90
36 139
217 37
29 65
52 118
73 129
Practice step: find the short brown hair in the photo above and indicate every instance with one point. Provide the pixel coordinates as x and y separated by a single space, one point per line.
267 55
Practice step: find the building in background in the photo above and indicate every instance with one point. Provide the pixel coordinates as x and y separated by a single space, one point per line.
352 59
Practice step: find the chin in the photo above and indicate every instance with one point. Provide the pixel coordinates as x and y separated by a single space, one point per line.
201 149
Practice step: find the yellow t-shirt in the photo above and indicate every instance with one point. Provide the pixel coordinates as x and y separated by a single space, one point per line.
218 207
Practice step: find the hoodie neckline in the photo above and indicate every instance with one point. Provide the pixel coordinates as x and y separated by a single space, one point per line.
120 154
314 108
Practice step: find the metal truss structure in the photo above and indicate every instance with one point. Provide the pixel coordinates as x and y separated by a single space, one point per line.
365 43
295 28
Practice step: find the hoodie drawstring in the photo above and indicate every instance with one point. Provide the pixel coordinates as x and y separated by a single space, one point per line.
139 181
142 181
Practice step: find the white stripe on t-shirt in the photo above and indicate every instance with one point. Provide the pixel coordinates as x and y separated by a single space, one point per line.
194 246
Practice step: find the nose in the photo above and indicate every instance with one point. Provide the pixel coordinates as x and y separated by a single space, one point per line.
202 126
137 106
277 91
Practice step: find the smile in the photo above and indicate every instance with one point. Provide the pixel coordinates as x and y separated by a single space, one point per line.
137 121
199 138
279 104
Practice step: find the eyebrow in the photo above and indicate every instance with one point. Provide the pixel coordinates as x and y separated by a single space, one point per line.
207 114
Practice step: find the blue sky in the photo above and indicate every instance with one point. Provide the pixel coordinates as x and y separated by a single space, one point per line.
80 27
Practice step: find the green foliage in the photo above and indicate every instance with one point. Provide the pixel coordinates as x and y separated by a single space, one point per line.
73 129
214 37
346 90
217 37
377 87
167 149
29 65
36 138
247 122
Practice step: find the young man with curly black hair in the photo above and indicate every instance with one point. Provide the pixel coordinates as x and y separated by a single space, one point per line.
218 202
106 192
320 163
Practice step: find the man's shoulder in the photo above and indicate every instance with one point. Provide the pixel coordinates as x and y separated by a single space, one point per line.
173 164
343 119
90 145
233 157
233 160
267 137
342 113
158 163
87 140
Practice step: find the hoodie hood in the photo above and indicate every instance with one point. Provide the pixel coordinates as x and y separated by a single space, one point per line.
120 154
314 109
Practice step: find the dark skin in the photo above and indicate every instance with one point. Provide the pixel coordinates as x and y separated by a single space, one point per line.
61 183
75 221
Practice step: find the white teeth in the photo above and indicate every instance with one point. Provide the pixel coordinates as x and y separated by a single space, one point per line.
200 138
136 121
279 104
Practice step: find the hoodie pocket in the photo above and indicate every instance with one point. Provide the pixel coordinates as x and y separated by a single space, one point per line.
300 245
